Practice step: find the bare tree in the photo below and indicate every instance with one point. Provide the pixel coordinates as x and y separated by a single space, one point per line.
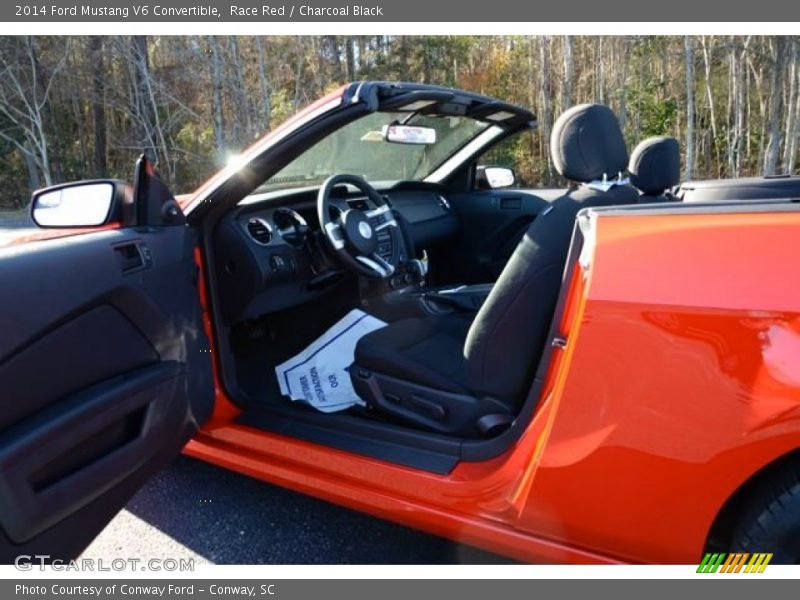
623 57
97 60
350 57
187 99
599 73
739 103
72 96
264 84
790 168
569 73
404 58
792 136
216 101
300 62
242 128
792 107
775 104
23 100
710 94
546 117
756 110
151 135
361 59
690 106
333 55
141 107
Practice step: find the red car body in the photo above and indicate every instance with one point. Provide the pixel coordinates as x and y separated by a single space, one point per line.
676 385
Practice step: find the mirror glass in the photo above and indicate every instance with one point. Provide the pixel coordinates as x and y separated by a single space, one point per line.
83 205
499 177
409 134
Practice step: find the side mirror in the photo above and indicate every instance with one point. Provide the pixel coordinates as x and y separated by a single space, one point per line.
80 204
492 178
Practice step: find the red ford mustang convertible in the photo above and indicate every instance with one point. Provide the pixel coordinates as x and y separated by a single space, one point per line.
362 309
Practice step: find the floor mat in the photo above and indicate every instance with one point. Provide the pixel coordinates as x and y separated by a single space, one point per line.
319 374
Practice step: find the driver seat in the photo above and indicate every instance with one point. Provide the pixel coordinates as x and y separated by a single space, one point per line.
468 375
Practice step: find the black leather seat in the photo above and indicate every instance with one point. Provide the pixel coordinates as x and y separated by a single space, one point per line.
426 351
467 375
655 168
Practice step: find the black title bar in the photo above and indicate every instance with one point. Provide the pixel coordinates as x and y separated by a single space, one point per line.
401 11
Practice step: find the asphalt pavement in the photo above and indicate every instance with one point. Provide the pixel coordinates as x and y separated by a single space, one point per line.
196 510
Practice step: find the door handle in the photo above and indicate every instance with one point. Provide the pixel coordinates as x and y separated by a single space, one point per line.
132 256
506 202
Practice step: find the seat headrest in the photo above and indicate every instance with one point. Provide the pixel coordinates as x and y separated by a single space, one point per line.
656 165
587 143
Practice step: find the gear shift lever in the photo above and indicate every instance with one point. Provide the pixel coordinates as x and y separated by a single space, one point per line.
419 268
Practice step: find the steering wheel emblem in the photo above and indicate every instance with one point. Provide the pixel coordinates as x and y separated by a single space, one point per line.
365 230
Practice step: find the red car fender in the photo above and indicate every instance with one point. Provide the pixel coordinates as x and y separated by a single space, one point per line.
682 383
666 398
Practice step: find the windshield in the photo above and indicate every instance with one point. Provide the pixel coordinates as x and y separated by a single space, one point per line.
358 148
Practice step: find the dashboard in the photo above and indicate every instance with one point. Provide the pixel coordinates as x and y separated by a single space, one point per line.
269 253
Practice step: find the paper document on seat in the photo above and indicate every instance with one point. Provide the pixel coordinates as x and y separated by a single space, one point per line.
318 375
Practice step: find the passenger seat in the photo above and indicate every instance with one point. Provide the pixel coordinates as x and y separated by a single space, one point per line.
468 374
655 169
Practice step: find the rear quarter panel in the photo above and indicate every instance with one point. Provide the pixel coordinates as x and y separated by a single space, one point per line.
681 379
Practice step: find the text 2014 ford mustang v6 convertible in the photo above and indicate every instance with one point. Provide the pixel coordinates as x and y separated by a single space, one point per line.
599 374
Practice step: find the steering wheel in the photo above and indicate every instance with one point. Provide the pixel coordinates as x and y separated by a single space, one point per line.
354 235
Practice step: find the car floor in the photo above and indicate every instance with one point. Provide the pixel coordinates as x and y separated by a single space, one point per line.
260 346
256 375
273 340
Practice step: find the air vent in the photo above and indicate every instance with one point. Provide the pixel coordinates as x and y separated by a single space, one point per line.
259 230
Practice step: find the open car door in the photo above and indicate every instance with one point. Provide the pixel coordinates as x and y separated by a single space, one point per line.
105 371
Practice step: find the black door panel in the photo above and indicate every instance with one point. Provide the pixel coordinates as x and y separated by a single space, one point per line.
54 366
104 372
70 454
493 222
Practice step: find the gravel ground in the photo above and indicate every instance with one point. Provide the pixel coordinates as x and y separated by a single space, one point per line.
196 510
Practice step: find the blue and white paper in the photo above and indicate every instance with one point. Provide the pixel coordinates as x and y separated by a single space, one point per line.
318 375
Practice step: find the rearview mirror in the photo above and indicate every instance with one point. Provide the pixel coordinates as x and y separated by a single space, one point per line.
78 204
409 134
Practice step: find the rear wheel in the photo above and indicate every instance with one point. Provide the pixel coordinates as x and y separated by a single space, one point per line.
770 522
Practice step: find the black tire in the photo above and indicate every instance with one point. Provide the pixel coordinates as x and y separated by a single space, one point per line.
770 521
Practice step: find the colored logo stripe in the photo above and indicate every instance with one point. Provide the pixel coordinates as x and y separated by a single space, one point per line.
734 563
758 563
726 566
711 562
737 562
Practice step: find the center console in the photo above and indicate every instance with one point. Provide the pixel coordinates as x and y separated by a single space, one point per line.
406 295
462 298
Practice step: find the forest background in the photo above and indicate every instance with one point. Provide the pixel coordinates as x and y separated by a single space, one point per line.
77 107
